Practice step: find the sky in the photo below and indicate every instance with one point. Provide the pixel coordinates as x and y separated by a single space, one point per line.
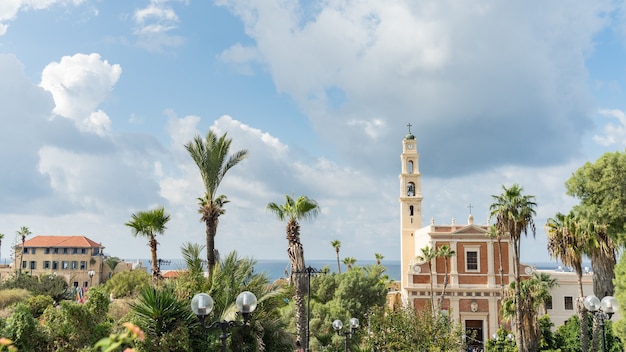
98 99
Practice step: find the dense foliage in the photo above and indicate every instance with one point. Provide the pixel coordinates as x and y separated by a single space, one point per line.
127 283
406 329
351 294
48 285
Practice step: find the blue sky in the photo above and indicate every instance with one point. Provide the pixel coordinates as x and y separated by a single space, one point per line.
97 99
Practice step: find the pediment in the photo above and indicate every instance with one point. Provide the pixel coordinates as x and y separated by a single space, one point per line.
470 229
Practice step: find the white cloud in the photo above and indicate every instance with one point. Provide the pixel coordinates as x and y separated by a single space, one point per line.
614 134
79 84
241 57
10 8
154 24
509 73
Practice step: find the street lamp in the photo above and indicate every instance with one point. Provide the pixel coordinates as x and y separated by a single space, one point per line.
202 305
91 273
337 325
497 342
601 310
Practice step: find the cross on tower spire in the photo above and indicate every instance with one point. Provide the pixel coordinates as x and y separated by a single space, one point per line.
409 126
470 206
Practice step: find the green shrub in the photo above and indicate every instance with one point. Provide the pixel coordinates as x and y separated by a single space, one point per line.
97 303
119 308
128 283
38 304
11 296
23 330
70 327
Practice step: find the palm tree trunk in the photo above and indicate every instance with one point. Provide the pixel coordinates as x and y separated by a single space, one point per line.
445 283
432 292
156 270
300 317
501 269
582 314
596 334
338 264
518 298
603 273
211 230
296 257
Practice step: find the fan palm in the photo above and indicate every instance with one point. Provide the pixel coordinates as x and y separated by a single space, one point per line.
514 213
446 253
566 243
379 258
265 331
302 208
149 224
211 155
349 262
23 232
427 256
337 244
533 294
1 238
112 262
494 234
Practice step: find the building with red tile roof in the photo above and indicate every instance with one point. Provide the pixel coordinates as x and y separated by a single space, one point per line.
79 259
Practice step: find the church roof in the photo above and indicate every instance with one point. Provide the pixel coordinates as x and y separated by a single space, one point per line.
61 241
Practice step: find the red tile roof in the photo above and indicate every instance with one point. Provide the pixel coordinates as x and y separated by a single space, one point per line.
61 241
172 274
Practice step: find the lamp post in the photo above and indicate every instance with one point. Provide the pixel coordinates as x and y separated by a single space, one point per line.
202 305
91 273
309 271
601 310
338 325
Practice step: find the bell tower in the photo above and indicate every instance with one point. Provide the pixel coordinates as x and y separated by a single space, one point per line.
410 199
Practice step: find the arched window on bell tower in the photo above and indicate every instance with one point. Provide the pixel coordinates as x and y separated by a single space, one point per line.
410 189
409 166
410 210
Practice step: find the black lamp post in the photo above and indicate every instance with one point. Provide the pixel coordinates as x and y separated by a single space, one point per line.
338 325
601 310
202 305
309 271
91 273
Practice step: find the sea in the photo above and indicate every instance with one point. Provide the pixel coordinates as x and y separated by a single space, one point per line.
279 268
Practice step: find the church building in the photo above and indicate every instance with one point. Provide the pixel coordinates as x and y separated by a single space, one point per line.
470 284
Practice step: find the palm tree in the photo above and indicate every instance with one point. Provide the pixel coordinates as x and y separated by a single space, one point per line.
192 280
446 253
23 232
566 244
379 258
336 244
212 158
149 224
600 248
349 262
427 256
494 234
533 294
302 208
112 262
1 238
514 213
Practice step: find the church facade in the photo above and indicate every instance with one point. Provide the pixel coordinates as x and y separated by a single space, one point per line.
468 285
